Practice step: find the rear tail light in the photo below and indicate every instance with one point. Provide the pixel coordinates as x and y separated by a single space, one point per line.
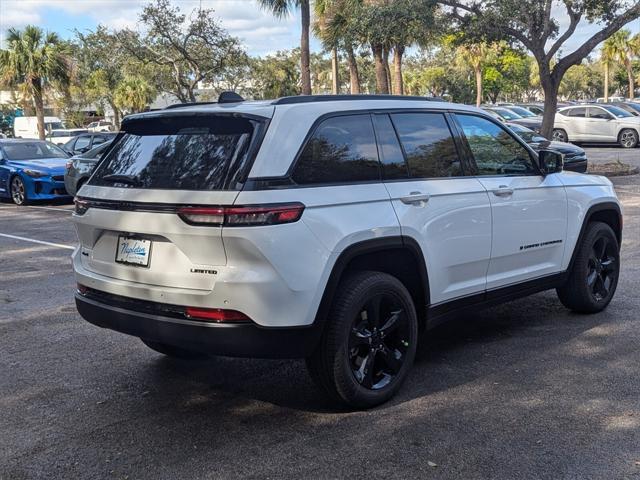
82 290
242 216
81 206
216 315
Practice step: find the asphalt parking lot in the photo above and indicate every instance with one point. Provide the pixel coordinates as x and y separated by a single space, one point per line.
598 154
524 390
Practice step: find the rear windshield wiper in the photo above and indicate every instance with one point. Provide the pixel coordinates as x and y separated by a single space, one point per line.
132 180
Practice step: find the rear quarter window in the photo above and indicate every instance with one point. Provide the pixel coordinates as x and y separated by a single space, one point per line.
340 150
204 152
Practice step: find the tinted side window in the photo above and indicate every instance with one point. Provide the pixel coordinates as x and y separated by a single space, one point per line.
82 142
494 150
393 164
428 145
577 112
98 139
595 112
341 149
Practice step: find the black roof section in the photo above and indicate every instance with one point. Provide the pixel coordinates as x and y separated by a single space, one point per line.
333 98
224 97
189 104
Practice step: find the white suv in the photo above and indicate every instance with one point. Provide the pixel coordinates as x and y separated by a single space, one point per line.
331 228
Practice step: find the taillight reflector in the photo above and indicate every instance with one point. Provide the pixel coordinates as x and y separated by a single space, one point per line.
242 216
216 315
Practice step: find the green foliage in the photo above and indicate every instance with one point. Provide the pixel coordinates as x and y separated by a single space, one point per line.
276 75
182 51
133 94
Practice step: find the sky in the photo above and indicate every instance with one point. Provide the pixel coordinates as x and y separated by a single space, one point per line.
260 32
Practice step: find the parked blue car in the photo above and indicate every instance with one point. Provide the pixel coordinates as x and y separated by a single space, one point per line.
31 170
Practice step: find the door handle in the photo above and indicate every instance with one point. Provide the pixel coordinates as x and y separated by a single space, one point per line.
415 198
503 191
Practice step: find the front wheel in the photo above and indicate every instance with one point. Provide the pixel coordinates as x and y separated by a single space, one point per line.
628 138
18 191
559 135
369 342
594 276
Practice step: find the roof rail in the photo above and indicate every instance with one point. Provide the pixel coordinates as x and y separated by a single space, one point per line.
333 98
190 104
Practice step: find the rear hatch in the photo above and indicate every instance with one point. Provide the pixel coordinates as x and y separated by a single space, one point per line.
128 215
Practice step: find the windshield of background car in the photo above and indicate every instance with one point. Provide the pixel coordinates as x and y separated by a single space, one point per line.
617 112
53 126
199 152
527 134
32 151
523 112
507 114
97 151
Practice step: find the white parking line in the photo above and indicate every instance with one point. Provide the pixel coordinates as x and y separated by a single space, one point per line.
24 239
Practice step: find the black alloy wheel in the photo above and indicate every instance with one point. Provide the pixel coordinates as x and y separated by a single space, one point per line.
378 342
369 342
603 270
593 278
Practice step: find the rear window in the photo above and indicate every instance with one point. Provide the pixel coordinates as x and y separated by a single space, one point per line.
182 153
32 151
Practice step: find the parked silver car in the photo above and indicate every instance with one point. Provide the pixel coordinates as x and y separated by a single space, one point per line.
80 167
596 124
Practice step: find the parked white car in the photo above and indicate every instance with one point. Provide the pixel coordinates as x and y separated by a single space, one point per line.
60 137
100 126
331 228
27 127
597 124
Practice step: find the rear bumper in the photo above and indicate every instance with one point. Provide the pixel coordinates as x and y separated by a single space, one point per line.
233 339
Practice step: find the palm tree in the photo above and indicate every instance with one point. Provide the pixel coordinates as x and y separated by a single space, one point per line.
33 60
323 10
607 57
475 55
282 8
133 94
623 49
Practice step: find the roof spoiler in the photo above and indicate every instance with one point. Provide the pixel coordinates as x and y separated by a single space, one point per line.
224 97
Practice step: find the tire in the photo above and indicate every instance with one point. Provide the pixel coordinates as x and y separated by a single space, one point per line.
594 276
174 352
628 138
363 357
18 191
559 135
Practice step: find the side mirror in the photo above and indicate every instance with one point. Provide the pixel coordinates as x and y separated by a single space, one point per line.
550 161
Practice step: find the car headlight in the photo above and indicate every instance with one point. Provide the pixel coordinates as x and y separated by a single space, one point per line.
34 173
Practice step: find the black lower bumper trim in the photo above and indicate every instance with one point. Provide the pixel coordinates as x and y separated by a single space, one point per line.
234 340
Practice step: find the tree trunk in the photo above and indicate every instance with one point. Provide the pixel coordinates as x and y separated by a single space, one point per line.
550 86
606 82
398 86
632 88
335 81
191 94
305 71
381 74
116 114
478 72
387 70
38 103
354 76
